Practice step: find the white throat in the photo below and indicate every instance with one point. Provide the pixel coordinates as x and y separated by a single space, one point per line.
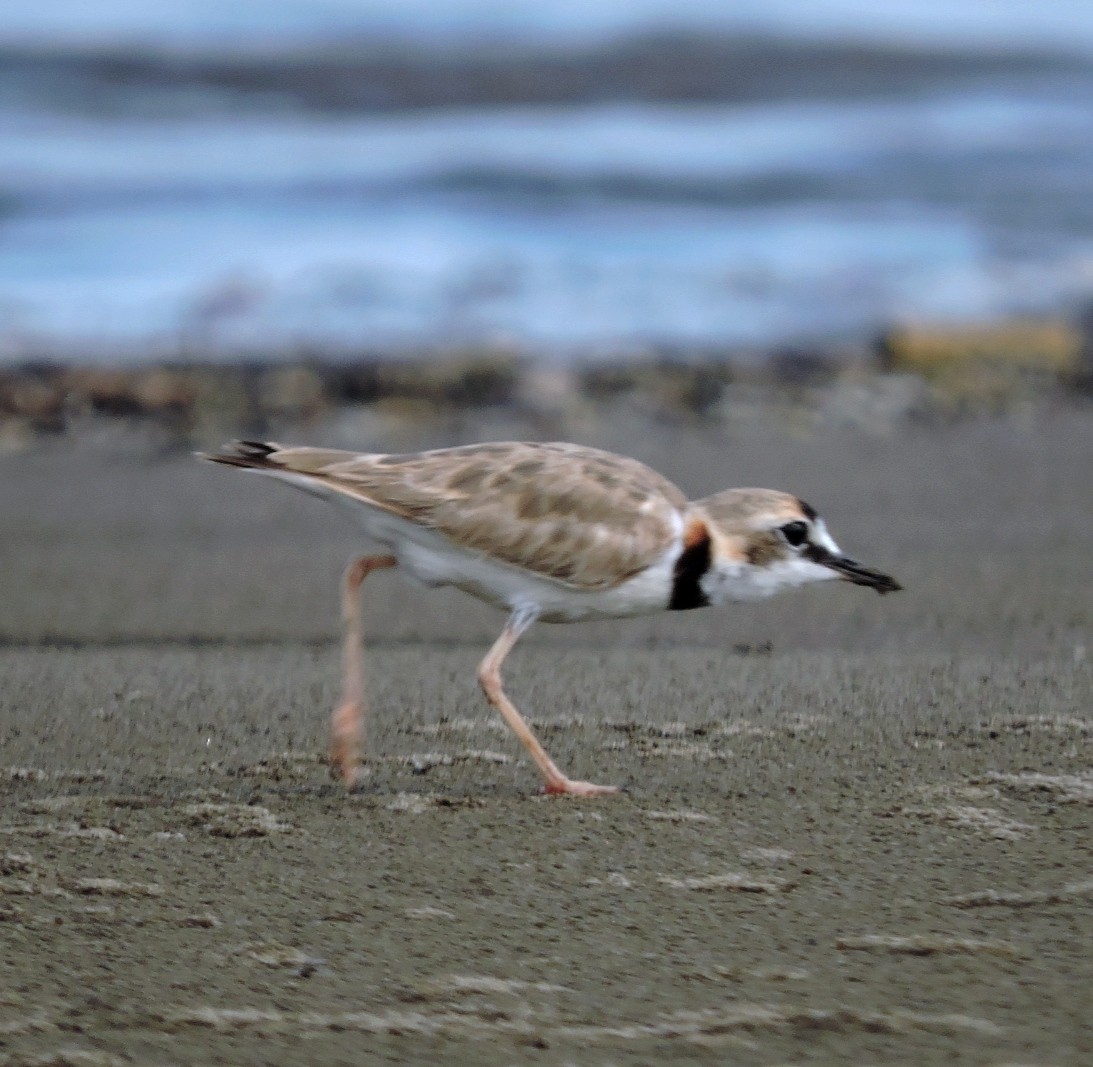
729 580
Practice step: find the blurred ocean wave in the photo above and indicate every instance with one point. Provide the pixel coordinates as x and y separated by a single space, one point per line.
590 189
365 75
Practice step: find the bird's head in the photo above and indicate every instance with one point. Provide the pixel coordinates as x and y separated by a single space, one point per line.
761 542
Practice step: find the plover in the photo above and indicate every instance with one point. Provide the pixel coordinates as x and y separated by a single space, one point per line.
554 533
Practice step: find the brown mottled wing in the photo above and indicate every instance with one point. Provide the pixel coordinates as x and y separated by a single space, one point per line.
587 518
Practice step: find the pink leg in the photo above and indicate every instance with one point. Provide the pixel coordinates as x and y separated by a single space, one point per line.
489 677
346 724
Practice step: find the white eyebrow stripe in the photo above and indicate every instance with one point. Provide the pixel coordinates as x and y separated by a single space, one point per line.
824 539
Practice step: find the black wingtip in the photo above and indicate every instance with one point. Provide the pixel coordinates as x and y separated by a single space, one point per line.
242 454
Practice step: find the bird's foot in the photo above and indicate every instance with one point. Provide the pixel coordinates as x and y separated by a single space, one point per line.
567 787
346 771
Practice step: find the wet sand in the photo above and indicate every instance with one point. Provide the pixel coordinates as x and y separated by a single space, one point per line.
856 831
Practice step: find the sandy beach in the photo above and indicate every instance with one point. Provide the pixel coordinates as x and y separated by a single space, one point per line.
856 830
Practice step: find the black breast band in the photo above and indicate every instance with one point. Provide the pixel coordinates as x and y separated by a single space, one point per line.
694 561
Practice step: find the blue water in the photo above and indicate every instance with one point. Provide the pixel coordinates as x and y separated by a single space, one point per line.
151 221
257 22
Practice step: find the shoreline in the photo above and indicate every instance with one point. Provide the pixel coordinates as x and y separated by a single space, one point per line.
905 376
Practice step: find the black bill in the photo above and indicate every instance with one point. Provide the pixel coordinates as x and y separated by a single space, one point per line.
851 570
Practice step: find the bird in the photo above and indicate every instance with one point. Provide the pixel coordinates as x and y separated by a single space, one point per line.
548 532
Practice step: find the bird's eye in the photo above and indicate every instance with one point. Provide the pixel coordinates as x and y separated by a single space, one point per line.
796 533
